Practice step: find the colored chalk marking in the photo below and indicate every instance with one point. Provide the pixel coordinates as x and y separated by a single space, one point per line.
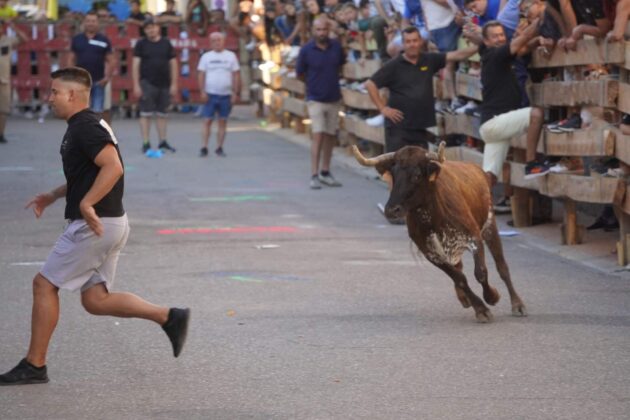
245 229
234 199
15 168
28 263
245 279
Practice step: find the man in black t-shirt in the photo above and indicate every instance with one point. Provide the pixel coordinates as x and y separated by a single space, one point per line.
154 82
410 109
501 114
584 17
86 254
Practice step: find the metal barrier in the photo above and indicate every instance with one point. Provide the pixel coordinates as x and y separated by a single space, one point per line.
49 49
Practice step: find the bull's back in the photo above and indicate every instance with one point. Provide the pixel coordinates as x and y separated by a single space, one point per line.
467 181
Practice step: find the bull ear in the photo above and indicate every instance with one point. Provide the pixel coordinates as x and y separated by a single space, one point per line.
384 166
433 170
387 177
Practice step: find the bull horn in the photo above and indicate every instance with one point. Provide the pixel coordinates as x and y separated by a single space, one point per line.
370 161
441 152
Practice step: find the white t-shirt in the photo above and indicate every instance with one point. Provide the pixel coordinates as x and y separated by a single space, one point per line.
437 16
218 67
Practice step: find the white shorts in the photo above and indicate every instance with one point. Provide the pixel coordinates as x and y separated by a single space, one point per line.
324 116
80 259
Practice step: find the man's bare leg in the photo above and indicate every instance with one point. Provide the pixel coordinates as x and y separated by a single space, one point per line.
316 149
98 301
161 127
145 128
205 132
536 120
44 319
221 133
328 144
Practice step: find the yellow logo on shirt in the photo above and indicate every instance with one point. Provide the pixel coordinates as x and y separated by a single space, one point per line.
424 68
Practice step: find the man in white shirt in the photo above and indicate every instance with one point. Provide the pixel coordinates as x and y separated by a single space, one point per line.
220 83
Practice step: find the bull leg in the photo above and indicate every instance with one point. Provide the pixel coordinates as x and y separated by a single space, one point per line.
461 296
482 312
490 294
491 236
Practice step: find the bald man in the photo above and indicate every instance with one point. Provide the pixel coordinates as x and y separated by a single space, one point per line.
86 254
319 64
219 80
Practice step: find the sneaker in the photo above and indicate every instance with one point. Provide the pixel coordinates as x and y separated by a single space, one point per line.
604 223
220 152
463 109
23 374
176 328
328 179
146 146
164 146
315 183
2 139
535 169
377 121
203 152
503 206
572 124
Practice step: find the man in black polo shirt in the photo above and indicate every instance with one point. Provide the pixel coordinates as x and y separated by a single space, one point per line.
410 109
86 254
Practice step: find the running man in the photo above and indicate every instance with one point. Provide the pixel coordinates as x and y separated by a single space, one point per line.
86 254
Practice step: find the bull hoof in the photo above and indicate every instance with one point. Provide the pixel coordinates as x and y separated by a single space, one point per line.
484 316
491 296
518 309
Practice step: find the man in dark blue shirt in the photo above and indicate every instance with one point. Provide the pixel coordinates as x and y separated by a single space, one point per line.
93 52
319 63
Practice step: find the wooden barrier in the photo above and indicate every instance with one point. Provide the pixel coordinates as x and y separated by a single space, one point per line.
356 71
597 92
468 86
588 51
356 99
361 129
292 85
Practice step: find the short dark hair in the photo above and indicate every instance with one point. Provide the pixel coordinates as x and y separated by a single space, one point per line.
488 25
410 30
468 1
73 74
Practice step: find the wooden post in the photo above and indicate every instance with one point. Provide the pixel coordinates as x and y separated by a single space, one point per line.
522 198
623 246
572 233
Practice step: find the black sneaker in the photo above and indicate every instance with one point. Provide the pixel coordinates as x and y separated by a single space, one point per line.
23 374
203 152
503 206
220 152
176 328
2 139
164 146
535 169
572 124
146 146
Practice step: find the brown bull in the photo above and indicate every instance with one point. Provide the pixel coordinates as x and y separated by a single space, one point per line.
448 209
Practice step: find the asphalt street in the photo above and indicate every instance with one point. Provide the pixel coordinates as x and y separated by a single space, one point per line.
305 304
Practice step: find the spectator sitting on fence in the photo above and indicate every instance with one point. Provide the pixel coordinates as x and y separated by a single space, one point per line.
287 24
7 43
92 51
154 77
585 17
373 28
443 28
198 17
319 62
6 11
170 15
220 85
272 34
550 31
355 39
622 13
502 116
137 16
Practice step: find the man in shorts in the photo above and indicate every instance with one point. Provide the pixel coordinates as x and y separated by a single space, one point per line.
92 51
86 254
219 80
319 62
154 82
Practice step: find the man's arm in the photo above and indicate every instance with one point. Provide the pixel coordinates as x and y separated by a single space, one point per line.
135 76
622 12
111 170
523 39
201 80
41 201
463 54
172 63
110 65
381 10
393 114
236 85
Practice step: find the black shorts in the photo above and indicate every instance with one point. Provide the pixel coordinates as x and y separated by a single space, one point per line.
155 100
398 137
